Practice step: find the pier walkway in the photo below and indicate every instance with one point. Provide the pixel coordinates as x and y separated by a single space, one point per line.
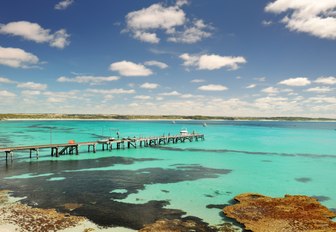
105 144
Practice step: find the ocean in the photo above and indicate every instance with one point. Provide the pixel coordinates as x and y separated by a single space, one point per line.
132 187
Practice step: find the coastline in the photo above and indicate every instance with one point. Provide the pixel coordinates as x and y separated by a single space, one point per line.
163 119
16 216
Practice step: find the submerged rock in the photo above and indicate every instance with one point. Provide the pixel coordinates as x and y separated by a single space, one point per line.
292 213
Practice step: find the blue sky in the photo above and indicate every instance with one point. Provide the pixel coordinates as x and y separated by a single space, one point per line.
219 57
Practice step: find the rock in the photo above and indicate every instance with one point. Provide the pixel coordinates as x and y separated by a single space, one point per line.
187 224
292 213
176 225
72 206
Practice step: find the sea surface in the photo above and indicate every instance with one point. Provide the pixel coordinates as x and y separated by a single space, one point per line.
132 187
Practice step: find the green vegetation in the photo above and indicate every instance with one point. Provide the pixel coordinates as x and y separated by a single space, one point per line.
150 117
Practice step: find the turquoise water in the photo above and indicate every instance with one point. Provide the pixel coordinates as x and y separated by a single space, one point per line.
135 186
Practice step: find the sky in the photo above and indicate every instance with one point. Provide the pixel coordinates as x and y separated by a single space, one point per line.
184 57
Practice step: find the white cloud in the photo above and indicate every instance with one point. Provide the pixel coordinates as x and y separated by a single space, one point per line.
60 39
17 58
93 80
212 87
309 16
148 85
266 22
127 68
322 99
173 93
212 62
5 93
156 63
143 24
270 90
197 81
319 89
271 103
195 33
146 37
326 80
5 80
181 2
62 5
111 91
32 85
30 92
298 81
34 32
142 97
187 96
251 86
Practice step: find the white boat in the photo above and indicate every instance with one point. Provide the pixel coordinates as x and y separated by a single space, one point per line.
184 131
204 124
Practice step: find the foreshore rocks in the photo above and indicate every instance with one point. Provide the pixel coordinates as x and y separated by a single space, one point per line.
15 216
297 213
188 224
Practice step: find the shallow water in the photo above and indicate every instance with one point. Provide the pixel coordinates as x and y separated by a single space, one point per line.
132 187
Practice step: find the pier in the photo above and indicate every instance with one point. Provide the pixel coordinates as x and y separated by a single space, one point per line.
105 144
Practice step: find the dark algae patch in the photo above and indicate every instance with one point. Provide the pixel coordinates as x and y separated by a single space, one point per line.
95 192
243 152
303 179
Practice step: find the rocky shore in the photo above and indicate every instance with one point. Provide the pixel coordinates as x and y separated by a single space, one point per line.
260 213
18 217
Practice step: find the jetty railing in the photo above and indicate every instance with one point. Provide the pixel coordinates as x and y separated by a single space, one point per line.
106 144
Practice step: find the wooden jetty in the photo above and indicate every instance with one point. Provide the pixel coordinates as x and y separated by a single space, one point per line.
106 144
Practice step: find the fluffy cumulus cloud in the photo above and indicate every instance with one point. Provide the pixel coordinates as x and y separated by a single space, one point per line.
156 63
5 93
148 85
32 85
212 62
62 5
212 87
92 80
17 58
297 81
317 18
270 90
127 68
326 80
192 34
34 32
171 20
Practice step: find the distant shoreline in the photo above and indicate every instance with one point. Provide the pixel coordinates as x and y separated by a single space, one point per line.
98 117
